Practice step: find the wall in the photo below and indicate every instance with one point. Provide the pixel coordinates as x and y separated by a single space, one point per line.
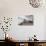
14 8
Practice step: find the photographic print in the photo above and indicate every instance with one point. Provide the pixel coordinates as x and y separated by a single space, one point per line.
25 20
